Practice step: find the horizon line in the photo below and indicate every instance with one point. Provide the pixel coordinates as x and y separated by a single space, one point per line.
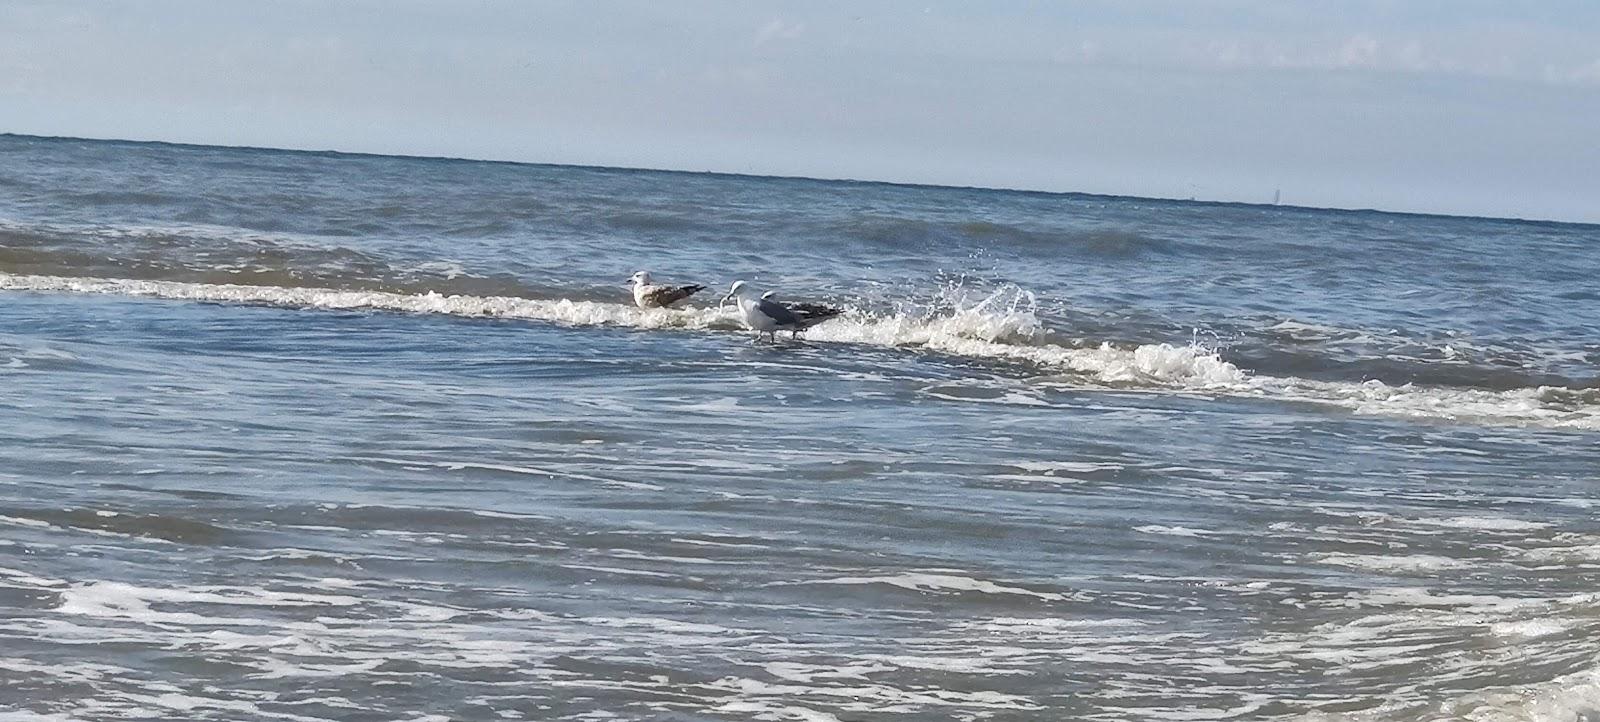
813 179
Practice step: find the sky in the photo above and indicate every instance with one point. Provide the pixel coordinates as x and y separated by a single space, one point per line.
1446 106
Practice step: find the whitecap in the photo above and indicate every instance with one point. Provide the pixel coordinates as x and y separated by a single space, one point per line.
989 329
935 582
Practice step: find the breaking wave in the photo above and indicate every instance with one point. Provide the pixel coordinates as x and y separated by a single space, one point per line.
995 328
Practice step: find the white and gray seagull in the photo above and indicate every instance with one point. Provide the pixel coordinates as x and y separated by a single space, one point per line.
766 315
652 295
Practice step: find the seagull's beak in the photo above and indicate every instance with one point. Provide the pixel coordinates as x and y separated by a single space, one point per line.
724 300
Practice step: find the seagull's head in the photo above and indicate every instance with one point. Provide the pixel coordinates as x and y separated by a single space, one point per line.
733 292
641 278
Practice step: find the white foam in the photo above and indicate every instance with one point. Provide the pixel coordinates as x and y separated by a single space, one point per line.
988 329
772 711
1568 698
1530 628
808 673
959 664
577 313
875 697
1391 563
1420 597
509 468
119 600
1173 531
1486 523
22 715
928 582
1572 548
706 543
1082 467
1027 625
1524 406
17 576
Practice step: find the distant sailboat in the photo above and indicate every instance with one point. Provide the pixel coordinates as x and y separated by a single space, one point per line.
1277 195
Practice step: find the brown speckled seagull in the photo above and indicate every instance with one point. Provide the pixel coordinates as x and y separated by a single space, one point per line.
651 295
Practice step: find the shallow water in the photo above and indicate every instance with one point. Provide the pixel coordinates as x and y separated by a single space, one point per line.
314 436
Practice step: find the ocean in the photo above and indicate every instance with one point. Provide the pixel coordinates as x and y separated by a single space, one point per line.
315 436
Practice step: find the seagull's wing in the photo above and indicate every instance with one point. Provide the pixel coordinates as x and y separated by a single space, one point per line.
777 312
811 314
667 295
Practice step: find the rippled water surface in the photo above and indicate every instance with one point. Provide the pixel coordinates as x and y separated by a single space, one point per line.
313 436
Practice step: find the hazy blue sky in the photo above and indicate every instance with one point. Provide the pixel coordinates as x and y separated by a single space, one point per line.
1460 106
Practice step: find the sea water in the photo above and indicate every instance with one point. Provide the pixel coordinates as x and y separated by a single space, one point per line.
308 436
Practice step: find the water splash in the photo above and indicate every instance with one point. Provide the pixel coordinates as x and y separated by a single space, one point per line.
1001 325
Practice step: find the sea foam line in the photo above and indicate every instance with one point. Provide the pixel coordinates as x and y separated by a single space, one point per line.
975 331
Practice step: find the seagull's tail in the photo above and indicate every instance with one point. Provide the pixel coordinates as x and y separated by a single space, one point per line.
811 314
676 294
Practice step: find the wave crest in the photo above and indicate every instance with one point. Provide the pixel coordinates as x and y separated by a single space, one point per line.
999 327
